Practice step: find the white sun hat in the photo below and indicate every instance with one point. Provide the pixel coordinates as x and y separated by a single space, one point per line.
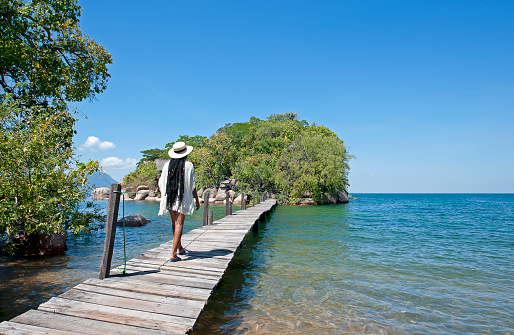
179 150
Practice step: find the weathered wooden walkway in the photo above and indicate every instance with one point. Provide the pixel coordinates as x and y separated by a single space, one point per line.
154 296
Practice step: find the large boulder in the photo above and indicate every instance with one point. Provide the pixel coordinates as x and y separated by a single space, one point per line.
238 200
133 221
142 188
142 195
201 191
129 192
224 185
220 196
342 196
212 192
38 244
101 193
328 198
307 201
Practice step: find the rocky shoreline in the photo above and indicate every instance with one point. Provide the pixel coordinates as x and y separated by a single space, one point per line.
216 195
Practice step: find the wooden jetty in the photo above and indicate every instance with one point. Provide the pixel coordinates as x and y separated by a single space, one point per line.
154 296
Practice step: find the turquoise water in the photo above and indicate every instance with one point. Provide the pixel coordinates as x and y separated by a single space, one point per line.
384 263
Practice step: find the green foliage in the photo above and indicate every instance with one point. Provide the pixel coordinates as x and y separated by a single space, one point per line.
282 154
151 155
146 173
42 185
45 62
44 57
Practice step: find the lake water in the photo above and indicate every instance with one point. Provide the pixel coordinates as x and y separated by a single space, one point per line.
382 264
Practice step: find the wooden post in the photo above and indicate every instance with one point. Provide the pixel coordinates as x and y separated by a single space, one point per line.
110 233
227 204
253 199
206 197
243 201
211 217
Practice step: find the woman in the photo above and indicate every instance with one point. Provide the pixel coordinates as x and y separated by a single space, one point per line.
178 187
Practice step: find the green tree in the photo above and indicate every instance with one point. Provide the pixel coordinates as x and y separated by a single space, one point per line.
42 185
45 62
44 57
151 155
282 154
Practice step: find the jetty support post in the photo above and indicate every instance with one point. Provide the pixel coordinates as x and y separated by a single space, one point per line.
211 217
206 197
110 231
243 201
253 198
227 204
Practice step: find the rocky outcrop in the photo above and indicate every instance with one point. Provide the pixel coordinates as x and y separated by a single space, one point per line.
238 200
38 244
101 193
141 195
212 192
338 197
133 221
342 196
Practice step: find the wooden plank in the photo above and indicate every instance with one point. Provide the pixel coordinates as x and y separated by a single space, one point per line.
143 286
206 262
9 327
70 324
172 280
206 253
183 274
154 261
118 315
135 301
214 273
186 307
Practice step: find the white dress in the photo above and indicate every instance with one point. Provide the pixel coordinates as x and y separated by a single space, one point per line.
188 203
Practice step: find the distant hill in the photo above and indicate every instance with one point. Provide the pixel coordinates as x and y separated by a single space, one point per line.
100 179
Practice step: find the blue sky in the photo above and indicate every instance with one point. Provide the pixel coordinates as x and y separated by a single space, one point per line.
422 92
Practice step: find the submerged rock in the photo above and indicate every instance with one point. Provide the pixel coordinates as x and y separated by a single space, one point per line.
133 221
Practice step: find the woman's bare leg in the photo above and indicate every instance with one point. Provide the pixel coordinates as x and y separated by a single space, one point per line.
177 234
174 216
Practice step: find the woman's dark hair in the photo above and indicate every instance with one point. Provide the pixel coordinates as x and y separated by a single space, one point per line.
175 182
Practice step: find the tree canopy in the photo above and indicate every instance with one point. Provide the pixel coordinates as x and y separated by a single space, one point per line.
282 154
45 62
44 57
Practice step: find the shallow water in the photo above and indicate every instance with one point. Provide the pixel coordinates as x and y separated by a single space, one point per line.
382 264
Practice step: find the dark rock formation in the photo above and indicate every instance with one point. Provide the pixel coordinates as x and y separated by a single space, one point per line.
38 244
133 221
